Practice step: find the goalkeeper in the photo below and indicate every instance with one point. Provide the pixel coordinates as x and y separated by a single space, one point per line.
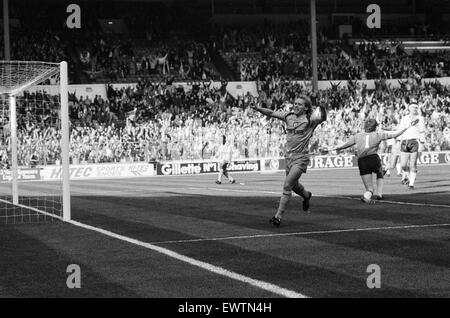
369 162
300 125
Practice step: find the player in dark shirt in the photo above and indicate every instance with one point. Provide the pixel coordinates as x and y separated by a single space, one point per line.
300 125
369 162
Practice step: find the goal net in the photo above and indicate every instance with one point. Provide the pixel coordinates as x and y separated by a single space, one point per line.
34 139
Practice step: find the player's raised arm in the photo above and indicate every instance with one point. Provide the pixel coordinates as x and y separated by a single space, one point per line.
396 134
349 143
269 112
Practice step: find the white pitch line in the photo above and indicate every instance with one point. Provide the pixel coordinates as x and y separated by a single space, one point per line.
209 267
398 202
238 237
206 266
322 196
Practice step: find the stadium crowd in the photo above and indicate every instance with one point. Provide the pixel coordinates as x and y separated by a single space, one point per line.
165 121
160 119
252 52
115 60
363 61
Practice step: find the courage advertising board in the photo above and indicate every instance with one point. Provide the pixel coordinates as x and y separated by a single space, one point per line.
350 161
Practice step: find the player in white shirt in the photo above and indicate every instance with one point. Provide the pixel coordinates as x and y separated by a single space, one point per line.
411 144
225 155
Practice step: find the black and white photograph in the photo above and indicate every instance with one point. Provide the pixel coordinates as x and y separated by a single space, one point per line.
223 155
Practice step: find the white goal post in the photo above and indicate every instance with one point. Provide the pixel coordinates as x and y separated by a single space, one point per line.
35 134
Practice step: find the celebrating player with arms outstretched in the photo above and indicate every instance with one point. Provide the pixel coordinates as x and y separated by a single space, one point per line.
412 145
300 125
369 162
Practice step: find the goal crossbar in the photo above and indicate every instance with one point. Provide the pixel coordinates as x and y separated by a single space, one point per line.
16 76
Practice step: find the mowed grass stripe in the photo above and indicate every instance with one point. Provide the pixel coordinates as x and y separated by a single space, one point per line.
206 266
30 268
234 218
315 280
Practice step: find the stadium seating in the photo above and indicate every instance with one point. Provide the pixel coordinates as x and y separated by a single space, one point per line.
162 121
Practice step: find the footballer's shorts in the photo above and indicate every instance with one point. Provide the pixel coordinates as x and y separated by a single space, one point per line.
410 145
301 162
370 164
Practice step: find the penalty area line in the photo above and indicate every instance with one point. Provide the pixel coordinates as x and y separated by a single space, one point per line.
203 265
238 237
324 196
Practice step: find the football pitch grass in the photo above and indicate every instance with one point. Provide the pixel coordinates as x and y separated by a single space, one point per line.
185 236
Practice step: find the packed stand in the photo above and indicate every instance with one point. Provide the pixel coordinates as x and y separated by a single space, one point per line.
387 59
283 50
184 60
165 121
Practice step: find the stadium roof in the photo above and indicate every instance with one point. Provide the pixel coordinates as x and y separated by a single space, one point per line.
282 6
319 3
